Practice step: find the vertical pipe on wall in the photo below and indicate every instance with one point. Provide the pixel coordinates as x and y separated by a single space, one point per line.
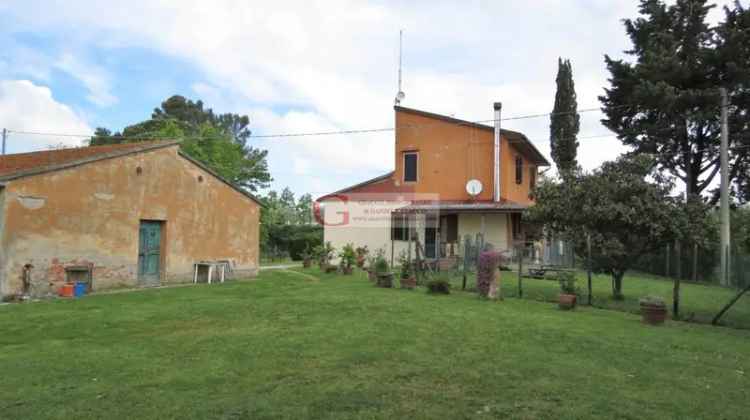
498 107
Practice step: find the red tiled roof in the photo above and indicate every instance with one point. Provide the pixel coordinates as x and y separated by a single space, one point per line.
20 163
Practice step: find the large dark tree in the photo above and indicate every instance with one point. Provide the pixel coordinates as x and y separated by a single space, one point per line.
218 140
666 102
564 121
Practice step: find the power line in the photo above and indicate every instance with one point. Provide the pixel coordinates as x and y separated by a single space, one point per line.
316 133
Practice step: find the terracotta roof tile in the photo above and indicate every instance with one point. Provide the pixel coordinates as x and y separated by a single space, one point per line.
24 162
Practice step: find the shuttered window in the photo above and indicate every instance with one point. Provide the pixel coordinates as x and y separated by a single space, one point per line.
519 170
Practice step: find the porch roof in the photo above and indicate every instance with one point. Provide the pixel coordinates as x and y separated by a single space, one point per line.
457 206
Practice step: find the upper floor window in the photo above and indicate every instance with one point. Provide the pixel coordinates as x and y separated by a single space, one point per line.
532 177
410 166
519 170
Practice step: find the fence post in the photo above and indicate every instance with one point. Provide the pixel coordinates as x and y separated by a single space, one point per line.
588 263
520 272
678 258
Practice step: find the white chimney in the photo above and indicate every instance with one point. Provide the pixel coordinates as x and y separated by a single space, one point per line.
498 108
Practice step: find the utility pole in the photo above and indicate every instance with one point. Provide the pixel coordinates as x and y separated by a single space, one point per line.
5 135
725 238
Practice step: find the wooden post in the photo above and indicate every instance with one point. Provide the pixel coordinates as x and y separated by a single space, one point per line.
678 258
588 264
520 271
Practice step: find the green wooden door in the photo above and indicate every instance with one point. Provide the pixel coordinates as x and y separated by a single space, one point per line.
149 253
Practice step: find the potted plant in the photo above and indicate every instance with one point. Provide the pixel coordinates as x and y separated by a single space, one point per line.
383 273
371 259
568 298
408 278
307 256
362 253
439 285
348 258
653 310
324 254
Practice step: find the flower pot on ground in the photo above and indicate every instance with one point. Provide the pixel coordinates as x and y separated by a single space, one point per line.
324 253
653 310
409 282
347 270
330 268
307 256
568 292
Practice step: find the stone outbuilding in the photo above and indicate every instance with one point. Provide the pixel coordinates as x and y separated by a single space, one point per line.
139 214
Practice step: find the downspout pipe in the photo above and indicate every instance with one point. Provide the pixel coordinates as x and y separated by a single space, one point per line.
498 107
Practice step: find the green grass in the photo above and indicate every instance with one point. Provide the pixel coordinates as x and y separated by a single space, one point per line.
294 345
699 302
265 262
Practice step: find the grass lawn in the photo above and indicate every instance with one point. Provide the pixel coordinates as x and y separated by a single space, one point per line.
294 345
699 303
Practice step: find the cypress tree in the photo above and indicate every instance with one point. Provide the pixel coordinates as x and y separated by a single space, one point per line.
565 121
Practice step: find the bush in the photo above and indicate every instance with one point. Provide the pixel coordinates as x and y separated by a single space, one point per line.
406 267
439 285
348 256
488 264
567 280
381 265
291 239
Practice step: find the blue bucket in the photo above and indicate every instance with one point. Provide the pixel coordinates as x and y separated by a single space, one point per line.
80 288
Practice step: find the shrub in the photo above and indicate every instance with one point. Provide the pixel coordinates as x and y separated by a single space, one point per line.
381 265
488 264
323 253
567 280
405 263
362 253
348 256
439 285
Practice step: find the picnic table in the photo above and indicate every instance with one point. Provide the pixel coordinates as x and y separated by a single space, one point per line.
539 272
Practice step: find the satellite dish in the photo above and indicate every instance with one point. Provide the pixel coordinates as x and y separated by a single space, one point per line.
474 187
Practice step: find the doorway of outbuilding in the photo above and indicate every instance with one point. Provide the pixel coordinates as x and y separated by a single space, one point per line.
150 245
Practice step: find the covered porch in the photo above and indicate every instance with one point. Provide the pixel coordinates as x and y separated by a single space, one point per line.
438 230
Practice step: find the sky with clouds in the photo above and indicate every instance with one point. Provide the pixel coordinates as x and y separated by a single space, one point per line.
309 66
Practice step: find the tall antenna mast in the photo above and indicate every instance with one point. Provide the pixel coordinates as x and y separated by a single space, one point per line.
400 95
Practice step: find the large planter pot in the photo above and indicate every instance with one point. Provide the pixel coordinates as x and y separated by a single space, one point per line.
306 263
653 314
567 302
409 282
371 276
385 280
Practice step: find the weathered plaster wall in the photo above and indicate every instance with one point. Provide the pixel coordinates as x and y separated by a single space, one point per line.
92 213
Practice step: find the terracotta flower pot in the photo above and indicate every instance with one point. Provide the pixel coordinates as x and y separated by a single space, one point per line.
567 301
385 280
653 314
409 283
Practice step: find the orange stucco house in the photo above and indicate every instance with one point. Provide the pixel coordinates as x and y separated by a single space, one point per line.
452 178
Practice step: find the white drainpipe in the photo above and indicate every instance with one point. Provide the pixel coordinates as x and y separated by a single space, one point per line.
498 108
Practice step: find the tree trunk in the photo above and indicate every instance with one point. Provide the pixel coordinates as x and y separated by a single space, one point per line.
617 285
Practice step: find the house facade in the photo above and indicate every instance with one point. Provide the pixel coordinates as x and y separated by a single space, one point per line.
452 178
127 215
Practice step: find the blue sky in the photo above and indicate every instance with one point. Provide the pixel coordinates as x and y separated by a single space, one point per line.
302 66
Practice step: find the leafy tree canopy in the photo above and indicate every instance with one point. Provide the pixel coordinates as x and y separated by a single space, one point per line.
624 213
217 140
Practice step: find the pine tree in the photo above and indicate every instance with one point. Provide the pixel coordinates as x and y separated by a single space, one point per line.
666 103
565 121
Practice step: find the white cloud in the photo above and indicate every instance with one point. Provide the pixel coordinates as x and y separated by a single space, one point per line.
317 66
94 78
25 106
